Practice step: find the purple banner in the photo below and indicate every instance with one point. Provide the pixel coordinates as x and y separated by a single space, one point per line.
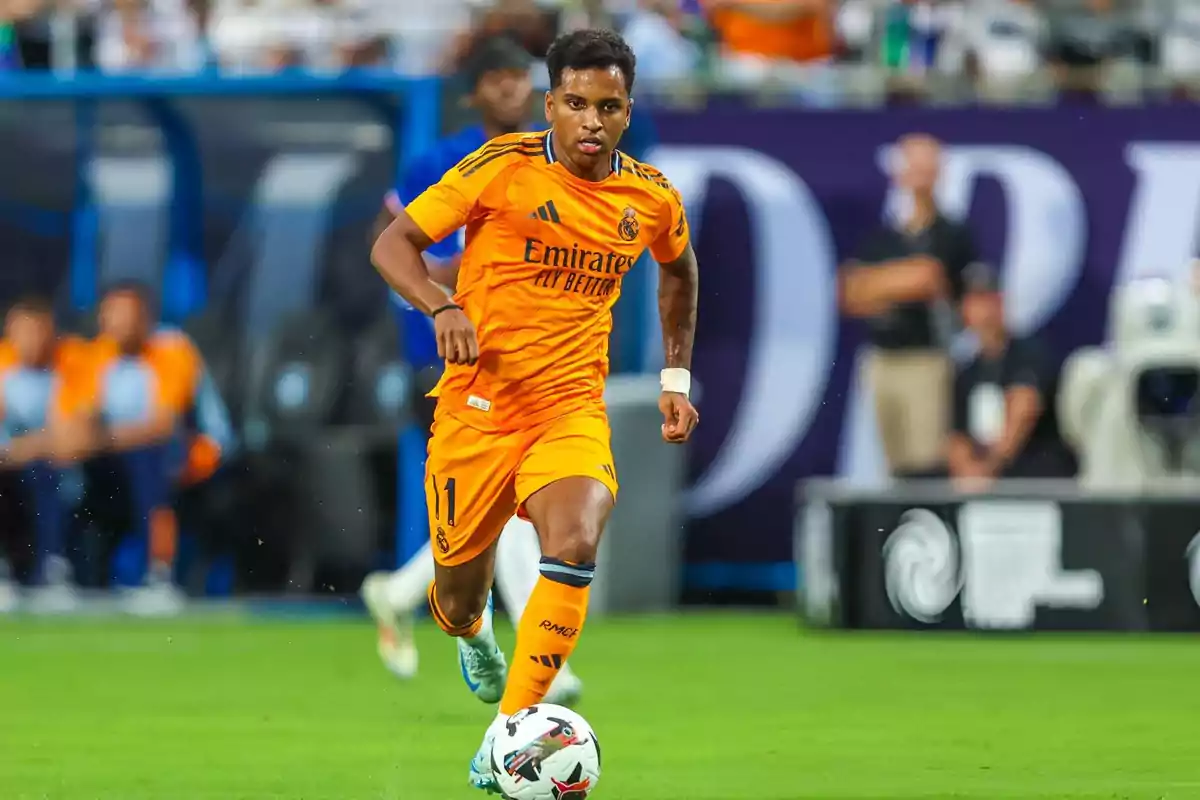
1066 202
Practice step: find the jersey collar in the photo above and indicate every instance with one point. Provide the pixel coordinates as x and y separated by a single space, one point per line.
548 148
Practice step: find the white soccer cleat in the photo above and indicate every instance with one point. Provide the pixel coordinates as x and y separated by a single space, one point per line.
484 669
566 690
57 595
54 599
481 775
396 644
158 598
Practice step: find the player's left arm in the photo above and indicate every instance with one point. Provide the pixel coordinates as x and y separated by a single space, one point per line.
678 295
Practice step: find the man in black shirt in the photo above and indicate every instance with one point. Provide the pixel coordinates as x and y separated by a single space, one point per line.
904 283
1004 417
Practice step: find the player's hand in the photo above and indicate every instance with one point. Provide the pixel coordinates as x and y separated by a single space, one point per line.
680 417
456 337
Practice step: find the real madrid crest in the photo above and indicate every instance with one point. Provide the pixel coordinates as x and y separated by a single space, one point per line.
628 227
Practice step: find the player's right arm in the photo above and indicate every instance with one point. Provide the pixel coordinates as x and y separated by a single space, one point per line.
443 269
398 256
462 195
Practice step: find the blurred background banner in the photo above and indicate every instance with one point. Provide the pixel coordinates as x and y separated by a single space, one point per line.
1067 202
1031 556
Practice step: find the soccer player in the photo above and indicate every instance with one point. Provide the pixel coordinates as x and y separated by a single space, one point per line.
498 70
554 221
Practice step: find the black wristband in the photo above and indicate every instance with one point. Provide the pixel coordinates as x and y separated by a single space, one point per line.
440 309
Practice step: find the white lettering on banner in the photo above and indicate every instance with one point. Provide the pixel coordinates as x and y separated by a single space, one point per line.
793 343
1193 559
1164 212
1012 560
921 566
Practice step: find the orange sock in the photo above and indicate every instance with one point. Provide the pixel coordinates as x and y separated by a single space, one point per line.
547 632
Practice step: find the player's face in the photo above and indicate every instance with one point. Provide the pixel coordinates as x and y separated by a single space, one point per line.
123 318
589 111
503 95
31 333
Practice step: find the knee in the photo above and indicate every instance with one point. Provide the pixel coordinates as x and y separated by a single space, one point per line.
461 607
576 543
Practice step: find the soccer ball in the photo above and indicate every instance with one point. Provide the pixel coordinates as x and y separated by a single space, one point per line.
546 752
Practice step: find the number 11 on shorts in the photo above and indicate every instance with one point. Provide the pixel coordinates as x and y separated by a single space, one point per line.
437 500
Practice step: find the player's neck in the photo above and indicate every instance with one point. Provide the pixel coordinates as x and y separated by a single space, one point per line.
596 174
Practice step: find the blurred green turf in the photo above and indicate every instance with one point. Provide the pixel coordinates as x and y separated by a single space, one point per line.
699 707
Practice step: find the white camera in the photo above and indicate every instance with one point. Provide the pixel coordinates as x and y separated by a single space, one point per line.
1131 409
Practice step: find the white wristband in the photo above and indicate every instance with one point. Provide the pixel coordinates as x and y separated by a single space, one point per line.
676 379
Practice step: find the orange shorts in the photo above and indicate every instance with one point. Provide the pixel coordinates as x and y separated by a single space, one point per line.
475 481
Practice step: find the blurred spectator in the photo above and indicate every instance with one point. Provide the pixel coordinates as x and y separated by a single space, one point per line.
1087 38
913 34
855 27
141 35
1000 41
1005 423
763 39
39 371
906 275
1179 45
57 34
143 386
655 31
270 35
532 24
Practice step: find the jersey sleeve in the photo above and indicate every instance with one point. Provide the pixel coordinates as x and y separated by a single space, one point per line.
450 203
420 176
674 234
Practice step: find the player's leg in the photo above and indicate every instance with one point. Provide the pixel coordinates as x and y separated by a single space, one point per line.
393 598
470 495
570 515
517 559
55 590
568 486
148 477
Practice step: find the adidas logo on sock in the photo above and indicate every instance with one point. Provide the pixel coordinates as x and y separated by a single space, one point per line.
546 212
552 661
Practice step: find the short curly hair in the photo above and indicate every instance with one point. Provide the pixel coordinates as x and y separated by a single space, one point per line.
590 49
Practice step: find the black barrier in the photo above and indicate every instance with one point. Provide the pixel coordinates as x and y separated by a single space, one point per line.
1024 556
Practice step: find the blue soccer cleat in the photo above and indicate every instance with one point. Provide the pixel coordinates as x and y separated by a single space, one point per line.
483 666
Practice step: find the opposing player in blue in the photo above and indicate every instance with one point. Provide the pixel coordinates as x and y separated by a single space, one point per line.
501 91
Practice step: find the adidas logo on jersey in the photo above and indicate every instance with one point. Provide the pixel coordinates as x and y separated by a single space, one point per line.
546 212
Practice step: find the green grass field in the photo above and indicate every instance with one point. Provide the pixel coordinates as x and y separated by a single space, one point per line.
698 707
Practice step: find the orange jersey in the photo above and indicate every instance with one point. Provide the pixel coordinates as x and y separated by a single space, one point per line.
545 256
68 366
169 368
